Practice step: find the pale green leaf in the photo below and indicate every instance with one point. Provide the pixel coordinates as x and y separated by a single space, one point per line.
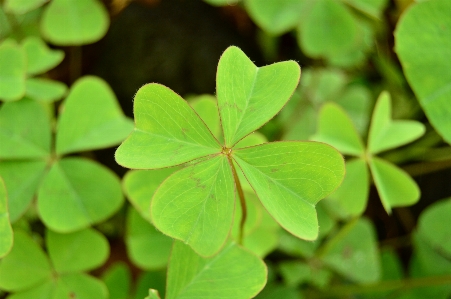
275 16
22 6
12 71
167 132
25 266
423 37
41 291
140 186
87 192
294 272
353 252
91 118
249 96
255 138
385 133
290 178
434 224
68 22
396 188
79 286
147 248
22 179
206 107
83 250
233 273
153 294
196 205
45 90
337 129
21 138
328 29
40 58
118 279
352 195
6 232
295 246
373 8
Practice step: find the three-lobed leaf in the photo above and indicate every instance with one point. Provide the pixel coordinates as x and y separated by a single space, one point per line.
40 58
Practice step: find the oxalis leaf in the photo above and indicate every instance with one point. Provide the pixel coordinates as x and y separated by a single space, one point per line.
196 204
6 232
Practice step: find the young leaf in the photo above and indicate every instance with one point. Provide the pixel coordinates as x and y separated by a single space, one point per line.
196 205
88 193
45 90
80 22
6 232
249 96
233 273
167 132
147 248
290 178
80 286
22 179
337 129
353 252
12 71
91 118
84 250
206 107
396 188
40 57
423 37
21 138
118 279
386 134
22 6
25 266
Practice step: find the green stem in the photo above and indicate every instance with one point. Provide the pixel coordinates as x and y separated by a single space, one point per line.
242 200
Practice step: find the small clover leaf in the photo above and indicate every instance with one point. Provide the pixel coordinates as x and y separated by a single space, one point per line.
196 203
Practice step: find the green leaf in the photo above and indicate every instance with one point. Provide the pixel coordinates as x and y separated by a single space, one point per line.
353 252
6 232
433 226
206 107
385 133
154 280
147 248
22 179
91 118
140 186
196 205
40 57
322 29
68 23
396 188
373 8
352 195
423 37
84 250
118 279
222 2
41 291
290 178
255 138
80 286
296 247
294 272
337 129
25 266
22 6
88 193
233 273
167 132
153 294
249 96
45 90
12 71
21 138
275 16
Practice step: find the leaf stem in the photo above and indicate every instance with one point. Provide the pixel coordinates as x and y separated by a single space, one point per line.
242 200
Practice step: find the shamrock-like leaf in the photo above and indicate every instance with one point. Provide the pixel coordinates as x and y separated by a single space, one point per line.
45 90
6 232
12 71
40 57
21 6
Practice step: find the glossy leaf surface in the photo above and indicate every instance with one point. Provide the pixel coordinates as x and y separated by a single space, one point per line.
396 188
92 106
21 138
67 22
6 232
88 193
83 250
423 37
196 205
290 178
40 58
249 96
385 133
12 71
233 273
167 132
